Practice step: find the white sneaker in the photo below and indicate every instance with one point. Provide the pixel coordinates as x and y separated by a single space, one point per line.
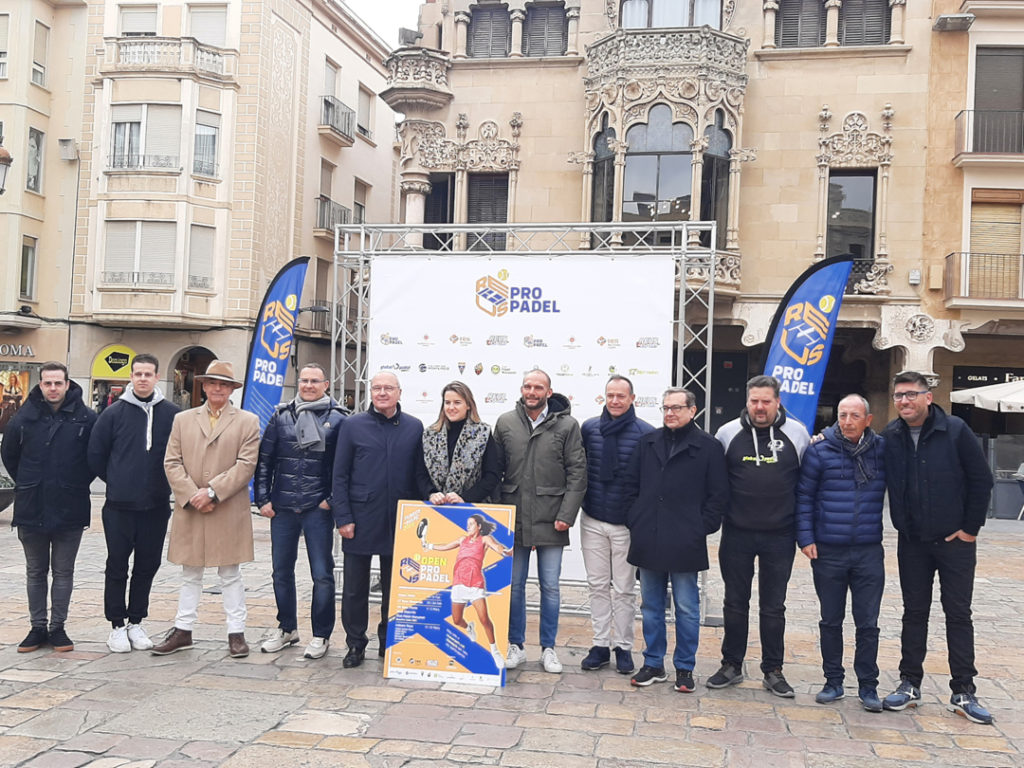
118 641
317 648
279 640
515 657
550 661
471 630
498 661
138 638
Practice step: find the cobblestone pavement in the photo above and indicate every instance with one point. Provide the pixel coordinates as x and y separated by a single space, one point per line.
201 708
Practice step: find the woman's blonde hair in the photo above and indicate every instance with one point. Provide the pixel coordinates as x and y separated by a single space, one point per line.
466 394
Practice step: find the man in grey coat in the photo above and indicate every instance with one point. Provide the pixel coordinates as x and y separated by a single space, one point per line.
545 478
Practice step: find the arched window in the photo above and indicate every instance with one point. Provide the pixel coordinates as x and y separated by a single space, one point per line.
657 181
602 202
647 14
714 181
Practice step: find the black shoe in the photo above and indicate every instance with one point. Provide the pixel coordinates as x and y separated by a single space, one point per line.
623 661
775 682
35 639
353 658
597 658
648 675
60 641
381 650
726 675
684 681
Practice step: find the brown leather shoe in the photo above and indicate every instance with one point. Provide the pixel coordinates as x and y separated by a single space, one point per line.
176 640
237 647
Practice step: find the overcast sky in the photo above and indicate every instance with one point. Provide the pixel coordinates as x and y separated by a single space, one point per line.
386 16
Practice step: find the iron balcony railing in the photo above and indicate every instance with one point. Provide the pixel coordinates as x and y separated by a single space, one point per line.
139 278
337 116
984 276
992 131
330 214
131 161
200 282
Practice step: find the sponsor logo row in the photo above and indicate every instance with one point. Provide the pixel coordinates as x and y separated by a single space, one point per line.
506 370
529 342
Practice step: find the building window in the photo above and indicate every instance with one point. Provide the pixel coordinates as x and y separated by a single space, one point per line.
440 209
602 199
138 20
800 24
714 181
547 31
39 54
648 14
359 195
145 136
999 100
332 74
27 284
864 22
5 26
993 268
208 24
207 129
140 253
489 32
487 203
657 181
34 161
200 257
851 219
364 118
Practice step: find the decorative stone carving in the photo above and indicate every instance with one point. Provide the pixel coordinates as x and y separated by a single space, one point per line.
416 187
920 328
918 335
424 144
417 77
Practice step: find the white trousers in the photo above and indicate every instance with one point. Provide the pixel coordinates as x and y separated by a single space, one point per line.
612 581
232 590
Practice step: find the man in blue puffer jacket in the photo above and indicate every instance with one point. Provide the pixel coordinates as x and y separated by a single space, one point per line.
609 440
839 502
293 488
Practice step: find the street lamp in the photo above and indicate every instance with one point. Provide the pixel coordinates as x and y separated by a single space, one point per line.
5 165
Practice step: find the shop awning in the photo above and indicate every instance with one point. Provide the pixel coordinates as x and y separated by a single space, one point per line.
1005 398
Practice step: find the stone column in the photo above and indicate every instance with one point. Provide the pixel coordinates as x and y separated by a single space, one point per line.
415 188
698 146
573 44
832 23
771 8
518 17
899 8
461 32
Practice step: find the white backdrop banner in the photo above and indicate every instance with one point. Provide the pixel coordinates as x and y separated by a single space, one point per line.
486 321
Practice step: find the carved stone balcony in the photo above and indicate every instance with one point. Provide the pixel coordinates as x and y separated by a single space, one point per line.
417 80
669 53
173 55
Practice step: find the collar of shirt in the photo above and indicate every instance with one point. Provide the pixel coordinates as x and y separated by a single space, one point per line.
214 414
534 423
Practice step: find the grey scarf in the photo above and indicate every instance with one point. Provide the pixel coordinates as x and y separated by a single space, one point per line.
309 429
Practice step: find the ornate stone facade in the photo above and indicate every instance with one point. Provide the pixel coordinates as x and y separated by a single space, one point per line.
425 146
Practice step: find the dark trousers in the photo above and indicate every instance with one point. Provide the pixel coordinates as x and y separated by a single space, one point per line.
47 551
141 531
355 598
774 551
954 561
859 570
316 526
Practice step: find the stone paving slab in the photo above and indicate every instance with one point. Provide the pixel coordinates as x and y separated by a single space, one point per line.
200 708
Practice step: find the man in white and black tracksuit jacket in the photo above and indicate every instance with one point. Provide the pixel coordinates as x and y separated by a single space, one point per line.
762 450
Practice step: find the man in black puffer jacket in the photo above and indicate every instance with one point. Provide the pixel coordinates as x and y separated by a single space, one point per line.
44 449
126 451
293 489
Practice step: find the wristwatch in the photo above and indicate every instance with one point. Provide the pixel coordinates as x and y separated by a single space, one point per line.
212 494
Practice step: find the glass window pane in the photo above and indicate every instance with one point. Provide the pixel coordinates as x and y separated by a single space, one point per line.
659 129
634 14
670 13
640 187
636 138
674 177
682 137
707 12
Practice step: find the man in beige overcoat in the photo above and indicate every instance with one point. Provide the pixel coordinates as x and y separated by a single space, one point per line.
211 456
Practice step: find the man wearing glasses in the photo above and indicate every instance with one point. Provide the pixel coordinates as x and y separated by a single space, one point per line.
374 467
293 489
676 491
939 487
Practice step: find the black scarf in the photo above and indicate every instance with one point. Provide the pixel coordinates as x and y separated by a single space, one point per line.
610 430
863 473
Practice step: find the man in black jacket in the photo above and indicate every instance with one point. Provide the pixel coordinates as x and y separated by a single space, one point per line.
44 449
126 451
293 489
939 488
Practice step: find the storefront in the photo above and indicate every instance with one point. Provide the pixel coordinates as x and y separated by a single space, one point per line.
111 370
21 355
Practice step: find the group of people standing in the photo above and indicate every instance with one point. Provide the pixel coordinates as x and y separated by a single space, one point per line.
650 498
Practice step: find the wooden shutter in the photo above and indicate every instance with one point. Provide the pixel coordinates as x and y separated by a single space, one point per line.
138 20
487 203
163 131
864 22
995 259
119 255
156 249
999 79
209 25
489 33
547 30
800 24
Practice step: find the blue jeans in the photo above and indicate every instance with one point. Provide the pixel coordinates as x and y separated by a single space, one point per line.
859 570
317 527
686 598
47 551
549 569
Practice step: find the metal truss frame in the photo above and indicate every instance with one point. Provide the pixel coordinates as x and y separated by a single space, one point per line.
356 247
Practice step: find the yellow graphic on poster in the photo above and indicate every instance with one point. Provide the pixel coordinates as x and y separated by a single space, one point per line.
450 587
